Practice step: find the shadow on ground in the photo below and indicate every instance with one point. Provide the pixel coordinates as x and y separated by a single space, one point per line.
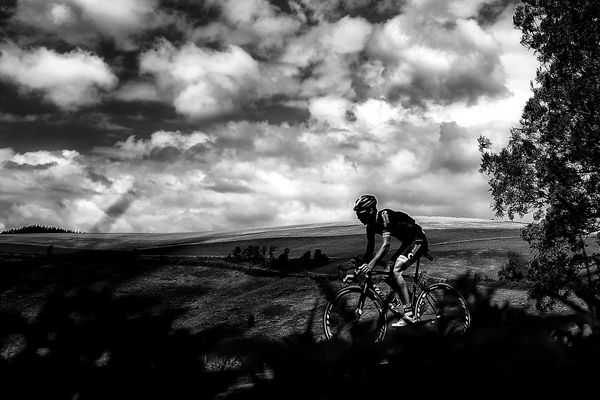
88 342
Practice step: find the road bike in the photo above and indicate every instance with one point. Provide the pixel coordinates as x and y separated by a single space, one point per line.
363 311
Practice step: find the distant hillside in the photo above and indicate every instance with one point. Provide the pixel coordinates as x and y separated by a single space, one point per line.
356 228
329 237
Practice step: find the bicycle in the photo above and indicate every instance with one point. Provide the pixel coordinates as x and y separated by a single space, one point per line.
360 311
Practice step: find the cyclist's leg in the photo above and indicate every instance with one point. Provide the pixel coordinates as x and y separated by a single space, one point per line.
406 258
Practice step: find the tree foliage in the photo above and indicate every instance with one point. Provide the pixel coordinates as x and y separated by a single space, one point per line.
37 229
550 166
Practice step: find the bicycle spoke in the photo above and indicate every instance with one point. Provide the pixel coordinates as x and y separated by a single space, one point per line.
346 320
443 309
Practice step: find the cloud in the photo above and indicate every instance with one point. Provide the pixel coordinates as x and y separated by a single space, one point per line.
327 54
252 112
255 24
427 54
29 167
71 80
456 151
80 22
374 11
347 36
249 174
114 211
491 12
202 83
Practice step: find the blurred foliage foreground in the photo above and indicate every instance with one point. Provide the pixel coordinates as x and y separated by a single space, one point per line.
92 344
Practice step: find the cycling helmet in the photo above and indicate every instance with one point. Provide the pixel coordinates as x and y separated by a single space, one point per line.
365 202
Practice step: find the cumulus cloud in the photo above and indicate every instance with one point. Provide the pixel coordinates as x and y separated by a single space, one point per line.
393 95
424 59
202 83
80 21
456 151
253 23
347 36
249 174
70 80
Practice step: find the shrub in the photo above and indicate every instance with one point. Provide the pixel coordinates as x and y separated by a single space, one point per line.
516 269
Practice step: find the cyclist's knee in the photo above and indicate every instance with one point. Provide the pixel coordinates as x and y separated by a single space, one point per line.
400 265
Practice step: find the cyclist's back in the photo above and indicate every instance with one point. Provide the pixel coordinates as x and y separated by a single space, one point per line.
399 224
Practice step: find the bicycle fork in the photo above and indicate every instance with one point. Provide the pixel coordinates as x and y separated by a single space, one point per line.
361 302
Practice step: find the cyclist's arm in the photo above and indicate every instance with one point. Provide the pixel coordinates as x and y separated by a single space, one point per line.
385 246
370 245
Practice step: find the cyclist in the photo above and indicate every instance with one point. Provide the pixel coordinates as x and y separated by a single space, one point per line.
403 227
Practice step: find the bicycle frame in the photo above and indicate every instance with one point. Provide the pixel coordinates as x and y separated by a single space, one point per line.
369 284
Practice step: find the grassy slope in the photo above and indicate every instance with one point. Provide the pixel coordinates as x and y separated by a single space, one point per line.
211 296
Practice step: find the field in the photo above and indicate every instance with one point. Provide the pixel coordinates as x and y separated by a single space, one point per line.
165 316
184 271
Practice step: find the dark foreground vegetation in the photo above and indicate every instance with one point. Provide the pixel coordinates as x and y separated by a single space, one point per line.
37 229
89 342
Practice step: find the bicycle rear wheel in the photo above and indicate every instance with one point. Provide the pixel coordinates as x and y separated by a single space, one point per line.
346 319
442 308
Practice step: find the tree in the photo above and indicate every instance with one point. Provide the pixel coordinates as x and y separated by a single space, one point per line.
550 166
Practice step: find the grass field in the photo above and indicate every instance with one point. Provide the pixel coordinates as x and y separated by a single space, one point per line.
175 270
178 270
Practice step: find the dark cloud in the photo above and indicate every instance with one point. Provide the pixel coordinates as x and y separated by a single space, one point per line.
98 178
275 113
227 187
197 152
28 167
282 5
165 154
196 12
468 85
84 129
490 13
114 211
7 9
374 11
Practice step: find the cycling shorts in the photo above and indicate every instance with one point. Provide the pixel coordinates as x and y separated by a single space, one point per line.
409 252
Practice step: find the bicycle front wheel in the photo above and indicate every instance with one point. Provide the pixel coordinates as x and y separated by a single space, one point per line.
442 308
352 316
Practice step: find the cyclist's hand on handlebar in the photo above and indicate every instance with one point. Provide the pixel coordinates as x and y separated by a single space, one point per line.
350 276
363 269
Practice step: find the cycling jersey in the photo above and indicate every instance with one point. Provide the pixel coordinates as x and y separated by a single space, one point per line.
393 223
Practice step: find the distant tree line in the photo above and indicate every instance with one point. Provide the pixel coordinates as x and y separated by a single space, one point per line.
266 257
37 229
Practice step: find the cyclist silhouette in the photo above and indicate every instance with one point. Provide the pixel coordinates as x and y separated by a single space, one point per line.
403 227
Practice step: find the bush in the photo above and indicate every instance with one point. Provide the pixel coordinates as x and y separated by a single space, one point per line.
516 269
260 255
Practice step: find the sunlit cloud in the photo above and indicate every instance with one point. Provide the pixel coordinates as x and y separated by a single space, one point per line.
69 80
193 116
80 22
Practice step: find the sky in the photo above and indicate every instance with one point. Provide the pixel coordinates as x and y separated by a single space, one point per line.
191 115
